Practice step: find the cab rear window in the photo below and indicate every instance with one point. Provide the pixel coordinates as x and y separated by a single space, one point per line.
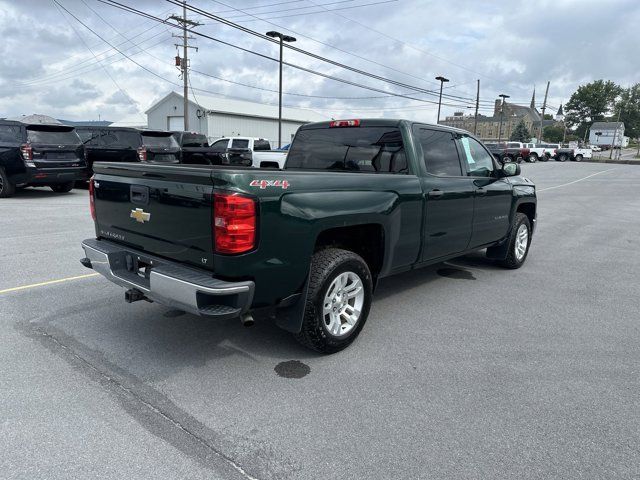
361 149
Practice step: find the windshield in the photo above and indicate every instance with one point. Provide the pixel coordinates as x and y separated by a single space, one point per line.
66 136
123 138
164 140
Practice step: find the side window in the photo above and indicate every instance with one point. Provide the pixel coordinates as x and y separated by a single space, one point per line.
479 162
439 152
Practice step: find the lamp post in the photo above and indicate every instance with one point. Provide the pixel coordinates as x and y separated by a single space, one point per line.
503 96
288 39
442 80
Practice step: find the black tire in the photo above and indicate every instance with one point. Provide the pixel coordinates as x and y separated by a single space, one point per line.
62 187
578 158
7 189
533 158
326 266
545 157
563 157
512 261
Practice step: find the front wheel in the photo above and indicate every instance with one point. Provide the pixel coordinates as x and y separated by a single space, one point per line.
62 187
533 158
7 189
563 157
338 300
519 242
579 158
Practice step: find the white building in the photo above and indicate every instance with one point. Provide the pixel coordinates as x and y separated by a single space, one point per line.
222 117
603 133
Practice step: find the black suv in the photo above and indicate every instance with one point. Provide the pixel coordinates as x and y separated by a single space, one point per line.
122 144
40 155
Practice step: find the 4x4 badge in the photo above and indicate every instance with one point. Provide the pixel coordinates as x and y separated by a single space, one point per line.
140 215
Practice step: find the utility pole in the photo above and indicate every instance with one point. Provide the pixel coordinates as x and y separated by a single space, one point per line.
184 61
475 120
442 80
504 97
544 107
613 142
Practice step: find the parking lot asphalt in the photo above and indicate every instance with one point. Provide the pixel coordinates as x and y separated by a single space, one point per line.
464 370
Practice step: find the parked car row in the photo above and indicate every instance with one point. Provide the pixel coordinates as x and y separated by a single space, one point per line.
532 152
36 153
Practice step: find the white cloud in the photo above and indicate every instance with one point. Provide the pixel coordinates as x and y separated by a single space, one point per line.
510 46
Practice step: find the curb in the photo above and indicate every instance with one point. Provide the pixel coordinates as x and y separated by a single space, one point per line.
606 160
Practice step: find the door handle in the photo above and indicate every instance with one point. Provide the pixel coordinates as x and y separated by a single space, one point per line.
435 193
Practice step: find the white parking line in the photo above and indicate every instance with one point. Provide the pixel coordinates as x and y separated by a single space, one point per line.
50 282
576 181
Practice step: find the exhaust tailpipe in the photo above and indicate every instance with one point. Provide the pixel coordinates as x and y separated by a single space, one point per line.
247 320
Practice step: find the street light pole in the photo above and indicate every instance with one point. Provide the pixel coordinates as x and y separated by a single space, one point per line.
288 39
442 80
503 96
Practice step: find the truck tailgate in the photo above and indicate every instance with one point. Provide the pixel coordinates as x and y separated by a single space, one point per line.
163 210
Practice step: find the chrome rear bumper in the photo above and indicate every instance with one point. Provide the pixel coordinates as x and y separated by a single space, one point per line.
166 282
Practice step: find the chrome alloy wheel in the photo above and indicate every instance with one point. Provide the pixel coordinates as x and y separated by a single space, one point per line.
343 303
522 240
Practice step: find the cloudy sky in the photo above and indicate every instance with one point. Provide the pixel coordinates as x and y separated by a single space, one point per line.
51 63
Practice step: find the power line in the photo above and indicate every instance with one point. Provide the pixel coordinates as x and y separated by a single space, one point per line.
58 6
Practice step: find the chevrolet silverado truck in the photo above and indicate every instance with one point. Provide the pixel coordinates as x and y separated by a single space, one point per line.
357 201
40 154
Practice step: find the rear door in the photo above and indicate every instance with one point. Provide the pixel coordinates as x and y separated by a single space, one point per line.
448 194
162 210
492 194
55 146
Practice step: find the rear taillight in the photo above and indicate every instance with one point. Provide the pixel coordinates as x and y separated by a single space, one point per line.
344 123
234 223
27 151
142 154
92 200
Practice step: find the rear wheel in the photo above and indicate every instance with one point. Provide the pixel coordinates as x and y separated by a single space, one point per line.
563 157
533 158
62 187
338 300
7 188
519 242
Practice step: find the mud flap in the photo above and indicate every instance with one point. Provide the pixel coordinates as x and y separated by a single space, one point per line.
499 252
290 313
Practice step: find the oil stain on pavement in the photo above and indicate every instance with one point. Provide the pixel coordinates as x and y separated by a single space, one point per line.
292 369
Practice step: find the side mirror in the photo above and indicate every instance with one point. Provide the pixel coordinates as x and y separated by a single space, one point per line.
510 169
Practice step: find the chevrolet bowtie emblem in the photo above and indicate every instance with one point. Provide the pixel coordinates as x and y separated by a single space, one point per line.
140 215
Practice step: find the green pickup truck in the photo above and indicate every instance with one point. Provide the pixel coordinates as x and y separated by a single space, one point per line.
358 200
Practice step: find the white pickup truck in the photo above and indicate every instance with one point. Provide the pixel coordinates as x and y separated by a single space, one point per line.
536 152
250 151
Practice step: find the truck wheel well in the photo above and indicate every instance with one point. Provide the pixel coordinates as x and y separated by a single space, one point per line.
366 240
529 209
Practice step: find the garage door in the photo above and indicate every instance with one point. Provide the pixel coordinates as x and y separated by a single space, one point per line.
175 123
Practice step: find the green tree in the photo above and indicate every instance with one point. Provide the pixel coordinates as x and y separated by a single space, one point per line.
553 133
520 133
629 108
591 102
